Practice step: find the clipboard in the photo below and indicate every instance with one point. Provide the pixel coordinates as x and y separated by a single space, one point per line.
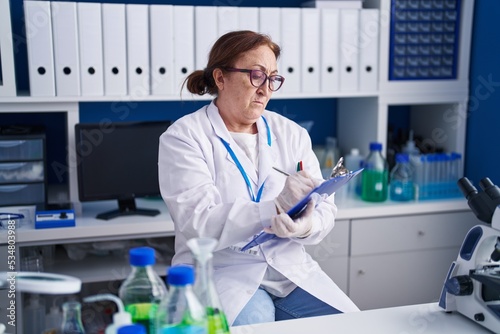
326 188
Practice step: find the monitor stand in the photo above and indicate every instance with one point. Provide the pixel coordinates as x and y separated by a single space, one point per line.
127 207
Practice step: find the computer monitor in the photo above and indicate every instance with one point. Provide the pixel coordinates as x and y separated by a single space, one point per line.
118 161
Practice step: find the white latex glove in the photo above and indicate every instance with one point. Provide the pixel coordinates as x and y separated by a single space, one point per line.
296 187
284 227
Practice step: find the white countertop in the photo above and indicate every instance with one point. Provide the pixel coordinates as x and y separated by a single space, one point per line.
421 319
88 228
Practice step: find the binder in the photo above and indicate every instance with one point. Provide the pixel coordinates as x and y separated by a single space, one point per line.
227 19
114 46
206 33
310 45
90 48
40 48
66 54
270 23
290 49
349 50
368 46
137 23
248 18
327 188
7 67
162 49
183 44
330 73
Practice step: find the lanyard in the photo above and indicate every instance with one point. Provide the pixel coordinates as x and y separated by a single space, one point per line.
242 170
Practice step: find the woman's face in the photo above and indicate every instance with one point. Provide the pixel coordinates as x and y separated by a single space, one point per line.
240 103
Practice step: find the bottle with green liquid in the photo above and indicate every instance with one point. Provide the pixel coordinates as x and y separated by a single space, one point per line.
143 290
202 251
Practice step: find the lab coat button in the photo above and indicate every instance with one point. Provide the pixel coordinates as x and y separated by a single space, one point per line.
270 260
250 292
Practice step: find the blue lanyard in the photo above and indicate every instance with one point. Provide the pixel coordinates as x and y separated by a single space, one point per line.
242 170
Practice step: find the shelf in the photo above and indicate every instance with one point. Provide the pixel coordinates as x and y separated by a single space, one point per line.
95 268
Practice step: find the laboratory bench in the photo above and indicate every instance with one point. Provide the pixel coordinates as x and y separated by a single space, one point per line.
421 318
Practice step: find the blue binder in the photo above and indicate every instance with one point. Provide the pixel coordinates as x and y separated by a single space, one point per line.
328 187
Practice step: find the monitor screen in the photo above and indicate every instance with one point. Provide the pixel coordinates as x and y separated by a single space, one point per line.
118 161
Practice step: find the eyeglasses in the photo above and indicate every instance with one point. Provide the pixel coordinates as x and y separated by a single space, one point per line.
259 78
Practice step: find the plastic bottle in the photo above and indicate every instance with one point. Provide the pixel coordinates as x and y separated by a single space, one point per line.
204 287
72 318
34 315
120 318
330 158
401 181
375 175
410 148
353 161
181 312
53 319
143 290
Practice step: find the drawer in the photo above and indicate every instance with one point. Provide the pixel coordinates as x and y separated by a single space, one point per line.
404 233
21 194
20 172
26 149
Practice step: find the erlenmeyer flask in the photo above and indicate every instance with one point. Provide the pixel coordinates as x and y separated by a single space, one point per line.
204 287
72 319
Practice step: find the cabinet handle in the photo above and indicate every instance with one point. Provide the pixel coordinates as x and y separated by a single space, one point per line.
361 272
421 233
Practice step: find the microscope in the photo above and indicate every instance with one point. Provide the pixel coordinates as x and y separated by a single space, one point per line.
472 285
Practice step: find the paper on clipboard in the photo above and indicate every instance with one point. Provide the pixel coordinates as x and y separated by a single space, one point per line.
326 188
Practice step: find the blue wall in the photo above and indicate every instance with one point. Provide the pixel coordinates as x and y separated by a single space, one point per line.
483 117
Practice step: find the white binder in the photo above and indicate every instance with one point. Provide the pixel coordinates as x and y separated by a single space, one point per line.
40 48
114 45
183 44
330 51
270 23
248 18
368 46
162 49
66 54
7 69
290 49
349 50
227 19
310 55
206 33
90 48
137 18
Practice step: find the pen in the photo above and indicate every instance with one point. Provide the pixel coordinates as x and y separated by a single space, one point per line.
299 166
282 172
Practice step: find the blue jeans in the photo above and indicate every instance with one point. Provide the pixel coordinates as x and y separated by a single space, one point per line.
264 307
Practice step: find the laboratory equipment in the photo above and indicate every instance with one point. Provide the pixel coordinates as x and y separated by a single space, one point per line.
401 180
330 156
34 313
181 311
472 285
204 287
143 290
375 177
72 318
120 318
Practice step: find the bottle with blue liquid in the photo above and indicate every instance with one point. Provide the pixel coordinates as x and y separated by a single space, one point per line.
401 180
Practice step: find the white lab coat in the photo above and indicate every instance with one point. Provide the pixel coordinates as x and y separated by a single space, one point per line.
207 197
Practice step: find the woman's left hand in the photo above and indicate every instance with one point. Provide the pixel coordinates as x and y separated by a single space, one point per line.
285 227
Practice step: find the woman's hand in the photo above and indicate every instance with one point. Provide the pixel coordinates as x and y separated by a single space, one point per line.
296 187
285 227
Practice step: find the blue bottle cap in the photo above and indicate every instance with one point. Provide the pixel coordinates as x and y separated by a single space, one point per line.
142 256
374 146
132 329
402 158
180 275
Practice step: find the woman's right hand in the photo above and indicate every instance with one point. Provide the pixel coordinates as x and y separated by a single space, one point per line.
296 187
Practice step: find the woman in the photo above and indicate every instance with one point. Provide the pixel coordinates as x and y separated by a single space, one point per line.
217 178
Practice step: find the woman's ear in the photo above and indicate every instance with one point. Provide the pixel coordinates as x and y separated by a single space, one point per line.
218 78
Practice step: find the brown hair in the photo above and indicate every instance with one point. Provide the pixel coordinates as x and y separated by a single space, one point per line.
223 54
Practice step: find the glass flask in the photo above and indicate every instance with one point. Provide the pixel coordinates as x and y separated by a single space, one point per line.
204 287
72 318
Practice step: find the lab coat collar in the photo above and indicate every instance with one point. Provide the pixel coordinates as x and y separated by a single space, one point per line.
266 155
